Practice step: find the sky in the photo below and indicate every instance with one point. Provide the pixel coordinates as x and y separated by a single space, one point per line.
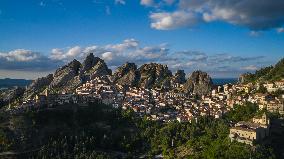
222 37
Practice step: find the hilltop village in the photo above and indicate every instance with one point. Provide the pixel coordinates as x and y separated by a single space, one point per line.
158 96
160 104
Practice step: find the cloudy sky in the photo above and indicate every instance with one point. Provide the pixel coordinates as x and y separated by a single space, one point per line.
222 37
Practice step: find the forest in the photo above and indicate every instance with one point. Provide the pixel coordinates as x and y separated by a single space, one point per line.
100 131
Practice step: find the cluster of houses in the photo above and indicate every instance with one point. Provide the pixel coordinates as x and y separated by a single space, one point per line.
258 128
272 87
161 105
242 93
250 132
165 105
174 105
96 90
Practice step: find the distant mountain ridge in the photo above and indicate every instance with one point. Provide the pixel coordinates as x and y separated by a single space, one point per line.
8 83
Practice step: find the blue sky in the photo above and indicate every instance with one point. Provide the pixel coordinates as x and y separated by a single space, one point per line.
224 38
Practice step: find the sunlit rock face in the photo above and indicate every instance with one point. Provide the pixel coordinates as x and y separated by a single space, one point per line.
199 83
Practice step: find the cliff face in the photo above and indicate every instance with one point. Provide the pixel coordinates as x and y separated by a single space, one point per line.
93 67
70 76
38 85
179 77
89 62
154 75
100 69
199 83
126 75
10 95
65 74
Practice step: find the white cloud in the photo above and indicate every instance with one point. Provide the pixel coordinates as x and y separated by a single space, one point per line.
114 54
73 52
42 4
129 50
58 54
253 14
21 55
157 3
169 2
178 19
280 30
120 2
250 68
90 49
254 33
26 60
148 3
127 44
108 56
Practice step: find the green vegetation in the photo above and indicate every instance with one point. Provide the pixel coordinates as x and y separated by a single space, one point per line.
267 74
258 75
277 72
242 112
99 131
81 146
277 93
261 89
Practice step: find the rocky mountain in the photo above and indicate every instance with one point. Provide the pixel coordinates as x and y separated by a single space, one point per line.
70 76
9 83
199 83
154 74
178 77
38 85
89 62
63 75
10 95
148 76
126 75
93 67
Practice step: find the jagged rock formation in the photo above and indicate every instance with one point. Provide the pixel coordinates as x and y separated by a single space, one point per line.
10 95
89 62
73 74
179 77
93 67
72 84
38 85
199 83
126 75
70 76
153 75
100 69
65 74
166 83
